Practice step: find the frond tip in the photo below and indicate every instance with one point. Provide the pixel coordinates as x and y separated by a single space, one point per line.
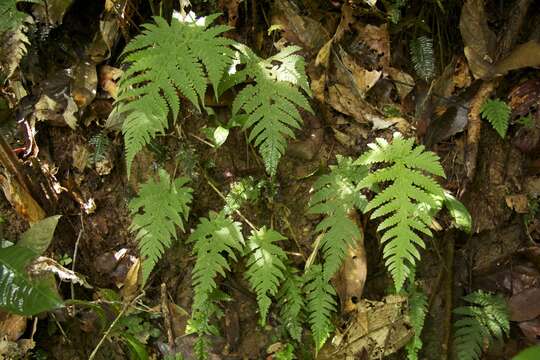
497 112
409 192
271 103
164 203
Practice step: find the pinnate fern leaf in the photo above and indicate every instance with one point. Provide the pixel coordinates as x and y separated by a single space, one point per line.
215 238
421 49
403 201
167 59
497 112
335 196
291 303
19 294
486 318
271 103
164 204
321 304
265 267
418 307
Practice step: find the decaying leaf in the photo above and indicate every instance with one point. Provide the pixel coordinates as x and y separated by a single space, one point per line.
522 56
379 328
349 281
479 40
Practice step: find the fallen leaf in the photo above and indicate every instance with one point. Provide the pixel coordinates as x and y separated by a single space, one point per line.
522 56
132 281
12 326
479 40
519 203
21 200
525 305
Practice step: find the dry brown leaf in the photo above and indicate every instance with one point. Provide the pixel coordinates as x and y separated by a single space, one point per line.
479 40
519 203
522 56
132 281
12 326
349 281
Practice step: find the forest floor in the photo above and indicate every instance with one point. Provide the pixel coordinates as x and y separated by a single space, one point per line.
365 86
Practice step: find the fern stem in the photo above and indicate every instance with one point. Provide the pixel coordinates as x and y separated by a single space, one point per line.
225 199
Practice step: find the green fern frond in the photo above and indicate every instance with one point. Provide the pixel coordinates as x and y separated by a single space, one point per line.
165 203
422 57
101 144
497 112
265 267
321 304
417 314
11 18
335 195
291 303
272 103
167 59
215 237
486 318
401 201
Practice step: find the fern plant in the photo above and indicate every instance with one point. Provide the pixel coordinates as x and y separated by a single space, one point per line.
265 267
291 303
497 112
167 59
270 103
101 144
486 318
402 200
421 49
214 238
321 303
164 204
418 307
336 196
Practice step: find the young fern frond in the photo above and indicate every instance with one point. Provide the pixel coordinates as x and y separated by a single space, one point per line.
165 203
497 112
167 59
486 317
335 196
265 267
291 303
321 304
421 49
271 103
101 144
418 307
403 201
215 237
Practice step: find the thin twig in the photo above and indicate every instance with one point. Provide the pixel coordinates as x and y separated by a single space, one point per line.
113 324
225 199
75 251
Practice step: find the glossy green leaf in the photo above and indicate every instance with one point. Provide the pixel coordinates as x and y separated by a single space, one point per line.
19 294
530 353
40 234
460 215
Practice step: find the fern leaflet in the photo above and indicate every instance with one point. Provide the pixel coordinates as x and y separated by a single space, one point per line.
497 112
486 318
166 59
214 238
336 195
417 313
165 203
265 267
101 144
271 103
291 303
405 199
321 304
422 57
